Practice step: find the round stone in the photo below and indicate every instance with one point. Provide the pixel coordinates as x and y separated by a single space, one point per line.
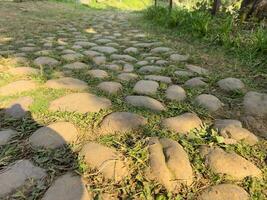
97 73
178 58
110 87
195 82
169 163
255 104
160 50
130 50
126 58
146 87
6 136
99 60
150 69
67 187
219 124
145 102
210 102
197 69
19 108
183 123
104 49
163 79
80 102
127 76
67 83
106 160
231 164
231 84
224 192
75 65
17 175
120 122
17 87
175 93
53 136
183 73
45 61
72 57
23 71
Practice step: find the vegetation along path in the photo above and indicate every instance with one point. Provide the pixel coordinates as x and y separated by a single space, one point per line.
95 106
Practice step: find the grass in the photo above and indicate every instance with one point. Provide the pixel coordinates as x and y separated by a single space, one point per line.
133 145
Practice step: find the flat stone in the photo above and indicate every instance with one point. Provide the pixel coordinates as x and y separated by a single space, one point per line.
121 122
67 187
99 60
224 192
17 87
142 63
113 67
179 58
127 76
195 82
163 79
160 50
183 73
126 58
28 49
255 104
80 102
67 83
106 160
110 87
169 163
85 44
208 101
183 123
17 174
230 164
222 123
231 84
97 73
175 93
43 53
68 51
45 61
53 136
75 65
128 67
19 108
197 69
23 71
6 136
146 87
72 57
145 102
236 134
131 50
161 62
103 41
150 69
104 49
91 53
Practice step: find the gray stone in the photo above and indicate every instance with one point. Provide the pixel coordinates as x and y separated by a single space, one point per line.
150 69
104 49
75 65
53 136
67 83
17 174
146 87
175 93
110 87
231 84
183 73
6 136
106 160
160 50
97 73
142 63
208 101
45 61
99 60
222 123
121 122
197 69
183 123
145 102
72 57
130 50
224 192
127 76
68 187
195 82
80 102
255 104
163 79
179 58
126 58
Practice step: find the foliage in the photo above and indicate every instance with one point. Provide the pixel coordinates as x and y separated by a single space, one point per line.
245 41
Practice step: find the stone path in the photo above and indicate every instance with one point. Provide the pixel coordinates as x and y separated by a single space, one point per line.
106 82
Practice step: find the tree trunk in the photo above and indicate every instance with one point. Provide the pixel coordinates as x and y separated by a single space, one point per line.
170 4
215 7
253 8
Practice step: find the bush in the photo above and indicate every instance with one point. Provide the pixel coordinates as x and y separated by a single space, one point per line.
247 41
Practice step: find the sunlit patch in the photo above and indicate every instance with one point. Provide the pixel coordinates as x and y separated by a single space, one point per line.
6 39
61 41
90 30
